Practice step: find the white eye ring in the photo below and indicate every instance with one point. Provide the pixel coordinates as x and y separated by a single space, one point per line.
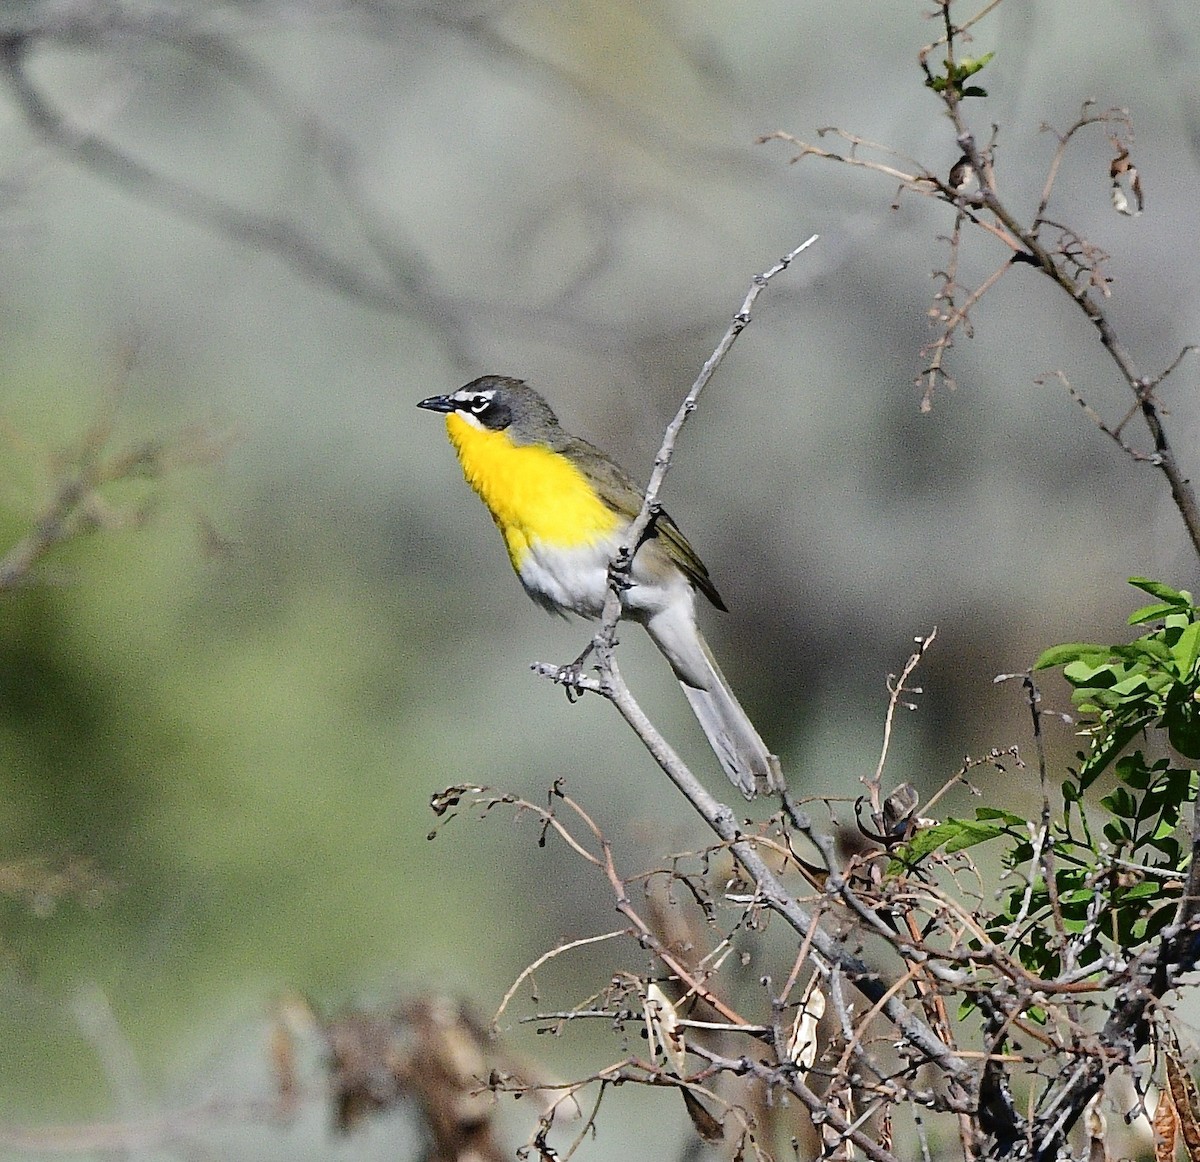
479 404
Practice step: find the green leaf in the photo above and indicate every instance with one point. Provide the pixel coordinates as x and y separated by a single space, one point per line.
1072 652
1131 769
1157 921
1117 832
1108 747
1183 729
1186 649
985 813
1077 896
1170 849
968 66
1163 592
1146 649
1147 889
969 833
953 835
1104 699
1121 803
1021 852
1131 684
1151 612
1096 672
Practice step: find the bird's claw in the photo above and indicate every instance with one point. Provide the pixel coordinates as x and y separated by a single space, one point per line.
618 574
570 676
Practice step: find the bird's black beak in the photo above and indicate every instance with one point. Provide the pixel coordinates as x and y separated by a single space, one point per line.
438 403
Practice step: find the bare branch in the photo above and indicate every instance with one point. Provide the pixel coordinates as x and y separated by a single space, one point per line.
530 969
606 634
897 688
78 507
405 289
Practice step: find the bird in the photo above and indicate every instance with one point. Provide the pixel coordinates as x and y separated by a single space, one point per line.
563 508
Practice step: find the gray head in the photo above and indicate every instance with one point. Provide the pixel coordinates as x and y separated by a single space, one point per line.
500 403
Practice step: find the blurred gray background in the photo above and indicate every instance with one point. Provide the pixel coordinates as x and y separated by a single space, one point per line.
314 214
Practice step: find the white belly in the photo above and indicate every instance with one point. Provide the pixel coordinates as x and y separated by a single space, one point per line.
575 580
567 580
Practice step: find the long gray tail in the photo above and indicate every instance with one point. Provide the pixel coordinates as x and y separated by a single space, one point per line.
751 767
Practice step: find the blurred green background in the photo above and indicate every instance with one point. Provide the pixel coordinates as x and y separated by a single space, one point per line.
243 742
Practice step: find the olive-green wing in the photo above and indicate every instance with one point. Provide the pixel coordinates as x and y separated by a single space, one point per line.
617 489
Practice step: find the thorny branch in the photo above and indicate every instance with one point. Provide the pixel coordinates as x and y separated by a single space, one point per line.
1075 266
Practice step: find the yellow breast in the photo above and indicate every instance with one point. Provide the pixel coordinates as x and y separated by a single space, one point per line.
533 494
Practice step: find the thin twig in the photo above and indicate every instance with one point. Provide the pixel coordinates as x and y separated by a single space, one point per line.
606 633
897 689
530 969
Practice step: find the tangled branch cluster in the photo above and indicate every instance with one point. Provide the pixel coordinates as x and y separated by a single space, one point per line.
904 986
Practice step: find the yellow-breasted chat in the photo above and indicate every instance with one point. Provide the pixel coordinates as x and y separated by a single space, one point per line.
563 507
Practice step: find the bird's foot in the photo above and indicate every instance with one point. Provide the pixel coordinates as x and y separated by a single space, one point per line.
619 572
571 676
